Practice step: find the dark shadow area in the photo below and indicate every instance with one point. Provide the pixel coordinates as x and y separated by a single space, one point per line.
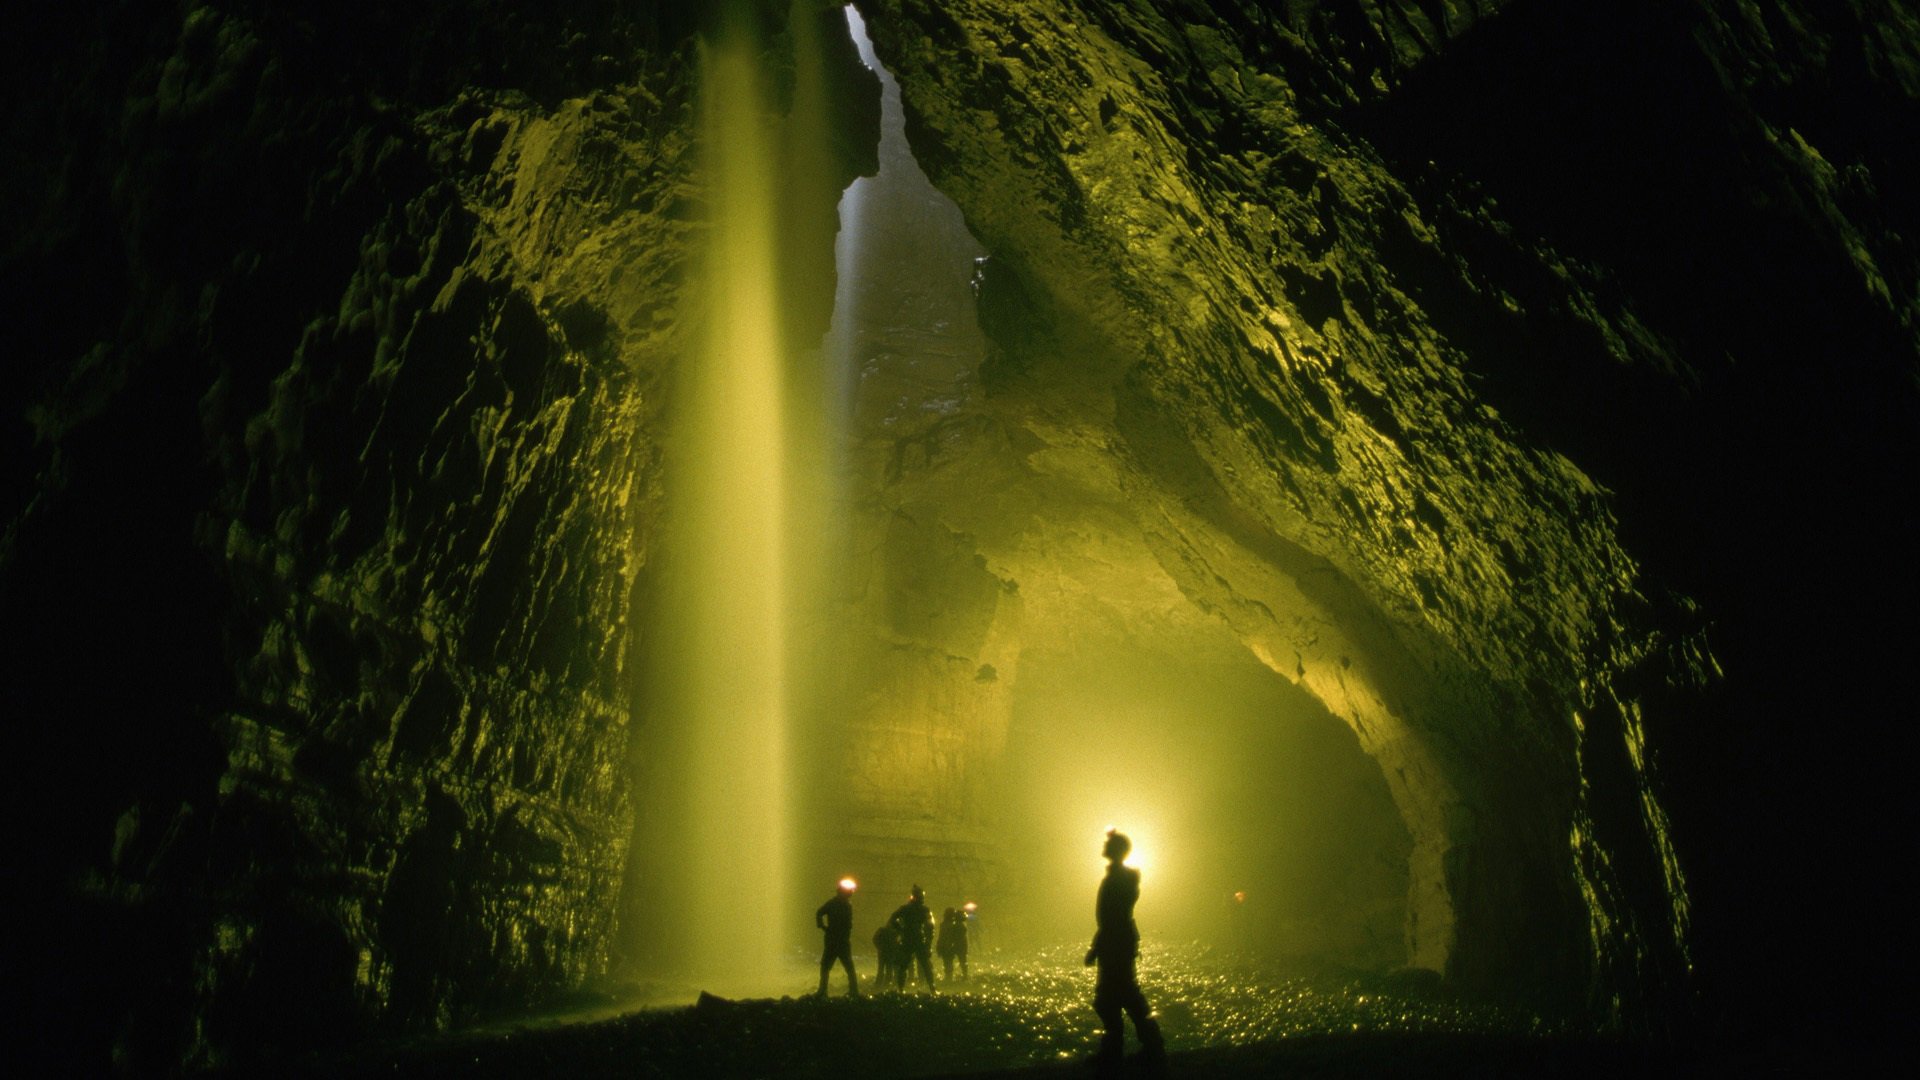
1757 437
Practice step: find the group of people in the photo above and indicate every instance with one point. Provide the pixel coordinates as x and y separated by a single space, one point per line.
910 936
908 939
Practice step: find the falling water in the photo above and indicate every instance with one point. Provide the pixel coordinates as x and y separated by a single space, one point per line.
714 782
758 478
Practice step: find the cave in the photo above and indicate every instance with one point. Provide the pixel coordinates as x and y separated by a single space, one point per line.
507 504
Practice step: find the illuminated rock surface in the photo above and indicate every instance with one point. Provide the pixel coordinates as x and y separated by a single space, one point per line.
1526 398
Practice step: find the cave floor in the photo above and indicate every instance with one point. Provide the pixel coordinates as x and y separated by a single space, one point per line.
1029 1018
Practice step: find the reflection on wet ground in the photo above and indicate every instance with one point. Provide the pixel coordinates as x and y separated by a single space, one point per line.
1221 1017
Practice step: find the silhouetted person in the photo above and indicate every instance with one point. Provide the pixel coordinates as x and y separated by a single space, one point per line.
1116 948
953 941
915 925
836 918
886 942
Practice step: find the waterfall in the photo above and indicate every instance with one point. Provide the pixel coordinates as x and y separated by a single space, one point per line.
714 817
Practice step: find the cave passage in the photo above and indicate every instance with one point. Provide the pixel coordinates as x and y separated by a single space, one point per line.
1013 670
1259 825
845 684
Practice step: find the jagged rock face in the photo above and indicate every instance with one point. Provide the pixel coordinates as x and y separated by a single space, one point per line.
328 491
1201 346
1252 310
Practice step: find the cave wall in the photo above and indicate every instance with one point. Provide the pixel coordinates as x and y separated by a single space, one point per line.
1196 289
331 472
1396 325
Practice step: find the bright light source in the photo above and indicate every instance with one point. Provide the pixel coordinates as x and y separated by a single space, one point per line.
847 884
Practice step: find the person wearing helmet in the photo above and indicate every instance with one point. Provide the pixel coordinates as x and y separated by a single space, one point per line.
1116 948
915 924
836 918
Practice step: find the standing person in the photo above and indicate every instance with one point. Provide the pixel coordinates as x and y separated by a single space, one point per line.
886 942
1116 948
915 925
953 941
975 939
836 918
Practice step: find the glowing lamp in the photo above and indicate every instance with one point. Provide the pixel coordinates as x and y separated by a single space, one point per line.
847 884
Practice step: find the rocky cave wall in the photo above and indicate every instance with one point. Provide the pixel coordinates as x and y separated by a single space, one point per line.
1385 327
331 471
1186 288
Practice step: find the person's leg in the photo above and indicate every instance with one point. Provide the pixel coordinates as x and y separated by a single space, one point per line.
826 965
1106 1006
1144 1025
926 968
853 977
963 963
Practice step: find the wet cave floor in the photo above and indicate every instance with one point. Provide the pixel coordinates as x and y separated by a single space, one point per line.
1028 1017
